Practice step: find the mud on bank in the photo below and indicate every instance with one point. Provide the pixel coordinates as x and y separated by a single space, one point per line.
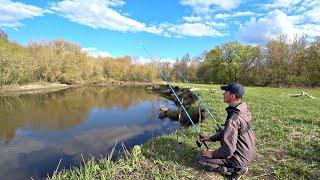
187 99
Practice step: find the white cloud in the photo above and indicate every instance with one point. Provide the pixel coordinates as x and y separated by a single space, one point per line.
288 4
192 18
307 8
309 3
94 52
205 6
140 60
143 60
243 13
167 60
222 16
275 23
237 14
296 19
99 14
313 15
115 2
304 14
312 30
192 29
12 13
217 25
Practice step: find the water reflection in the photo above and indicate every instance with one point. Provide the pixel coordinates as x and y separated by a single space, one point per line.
37 130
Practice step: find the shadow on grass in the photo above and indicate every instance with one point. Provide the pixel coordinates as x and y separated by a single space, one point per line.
304 121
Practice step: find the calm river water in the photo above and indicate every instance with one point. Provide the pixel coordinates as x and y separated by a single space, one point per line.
38 130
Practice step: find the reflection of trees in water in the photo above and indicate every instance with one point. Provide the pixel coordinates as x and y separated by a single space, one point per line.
63 109
125 97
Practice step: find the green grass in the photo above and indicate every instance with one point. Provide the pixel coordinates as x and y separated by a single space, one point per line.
287 133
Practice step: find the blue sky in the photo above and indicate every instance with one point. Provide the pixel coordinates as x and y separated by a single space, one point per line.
166 28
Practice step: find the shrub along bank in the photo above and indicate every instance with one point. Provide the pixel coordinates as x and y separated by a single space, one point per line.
62 62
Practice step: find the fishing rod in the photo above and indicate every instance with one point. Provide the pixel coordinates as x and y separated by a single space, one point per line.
201 101
198 141
184 109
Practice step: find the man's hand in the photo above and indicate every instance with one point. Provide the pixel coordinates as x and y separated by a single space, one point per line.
208 153
205 138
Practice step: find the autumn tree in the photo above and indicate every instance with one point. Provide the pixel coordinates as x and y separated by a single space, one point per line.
313 64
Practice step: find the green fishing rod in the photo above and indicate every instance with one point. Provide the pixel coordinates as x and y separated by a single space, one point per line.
201 102
184 109
198 142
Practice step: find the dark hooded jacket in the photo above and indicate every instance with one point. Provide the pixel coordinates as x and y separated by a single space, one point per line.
237 138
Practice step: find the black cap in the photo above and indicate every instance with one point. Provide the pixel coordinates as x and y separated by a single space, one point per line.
234 88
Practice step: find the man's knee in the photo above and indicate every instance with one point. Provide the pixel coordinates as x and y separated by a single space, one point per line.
199 158
204 161
210 165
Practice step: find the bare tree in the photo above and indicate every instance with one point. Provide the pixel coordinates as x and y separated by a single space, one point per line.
3 35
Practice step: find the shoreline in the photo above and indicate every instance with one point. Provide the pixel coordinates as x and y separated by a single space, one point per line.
31 88
51 87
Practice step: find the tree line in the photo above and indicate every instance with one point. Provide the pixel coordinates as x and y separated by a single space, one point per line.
279 62
63 62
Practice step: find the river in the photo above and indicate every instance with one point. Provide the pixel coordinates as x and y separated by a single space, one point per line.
72 125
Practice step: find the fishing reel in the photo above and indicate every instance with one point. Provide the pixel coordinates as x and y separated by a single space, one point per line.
199 142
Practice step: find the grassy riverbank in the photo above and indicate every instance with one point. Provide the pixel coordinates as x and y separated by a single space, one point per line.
288 142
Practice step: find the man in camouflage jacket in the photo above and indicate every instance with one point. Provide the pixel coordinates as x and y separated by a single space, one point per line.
236 137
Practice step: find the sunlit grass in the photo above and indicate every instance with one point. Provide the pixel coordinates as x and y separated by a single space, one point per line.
287 133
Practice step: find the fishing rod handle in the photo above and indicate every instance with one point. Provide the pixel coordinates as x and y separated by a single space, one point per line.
202 141
205 144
